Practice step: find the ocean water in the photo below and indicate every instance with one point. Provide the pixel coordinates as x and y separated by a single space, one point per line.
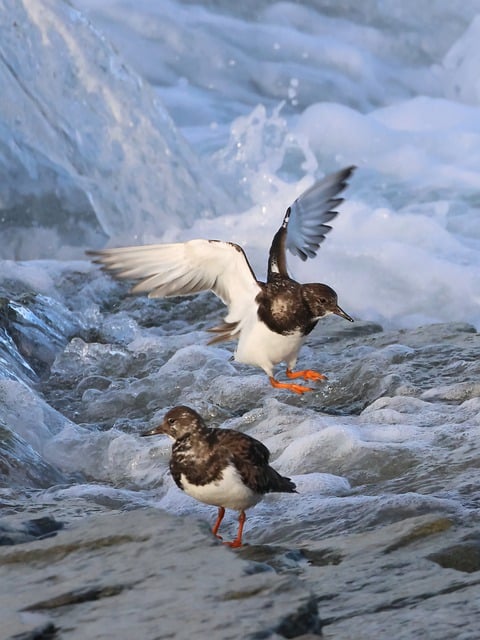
173 120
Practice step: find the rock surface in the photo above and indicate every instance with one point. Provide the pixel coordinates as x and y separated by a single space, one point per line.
145 574
382 537
150 575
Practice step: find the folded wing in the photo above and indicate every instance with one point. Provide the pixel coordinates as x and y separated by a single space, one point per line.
185 268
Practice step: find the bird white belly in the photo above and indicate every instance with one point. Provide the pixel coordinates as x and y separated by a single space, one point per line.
263 348
228 491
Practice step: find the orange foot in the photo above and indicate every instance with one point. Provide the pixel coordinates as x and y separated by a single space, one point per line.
234 544
307 374
296 388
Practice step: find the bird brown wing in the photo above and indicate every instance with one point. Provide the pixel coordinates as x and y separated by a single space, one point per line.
251 457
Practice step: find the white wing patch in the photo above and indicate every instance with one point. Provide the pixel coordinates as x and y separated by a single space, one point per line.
185 268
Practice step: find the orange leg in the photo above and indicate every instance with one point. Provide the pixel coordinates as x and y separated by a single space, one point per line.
296 388
216 526
238 540
307 374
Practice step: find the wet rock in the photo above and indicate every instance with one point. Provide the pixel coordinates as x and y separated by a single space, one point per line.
142 572
27 531
418 532
45 631
464 556
146 574
453 393
387 580
305 620
362 368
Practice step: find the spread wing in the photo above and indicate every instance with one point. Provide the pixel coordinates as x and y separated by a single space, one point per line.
184 268
306 221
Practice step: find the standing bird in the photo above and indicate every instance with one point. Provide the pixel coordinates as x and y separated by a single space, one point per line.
221 467
269 319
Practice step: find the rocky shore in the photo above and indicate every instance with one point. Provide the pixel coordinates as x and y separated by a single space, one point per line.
382 539
150 575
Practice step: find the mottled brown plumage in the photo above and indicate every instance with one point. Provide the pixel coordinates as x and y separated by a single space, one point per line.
221 467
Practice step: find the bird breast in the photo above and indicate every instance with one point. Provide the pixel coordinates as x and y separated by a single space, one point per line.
261 347
227 491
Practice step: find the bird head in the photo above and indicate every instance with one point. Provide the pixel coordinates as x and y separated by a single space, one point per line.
322 300
178 422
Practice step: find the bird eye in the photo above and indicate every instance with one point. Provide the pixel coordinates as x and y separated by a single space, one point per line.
171 421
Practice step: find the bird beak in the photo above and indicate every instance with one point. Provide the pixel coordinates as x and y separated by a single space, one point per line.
156 431
340 312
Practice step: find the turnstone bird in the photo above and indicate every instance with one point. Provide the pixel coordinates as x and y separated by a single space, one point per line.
269 319
221 467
